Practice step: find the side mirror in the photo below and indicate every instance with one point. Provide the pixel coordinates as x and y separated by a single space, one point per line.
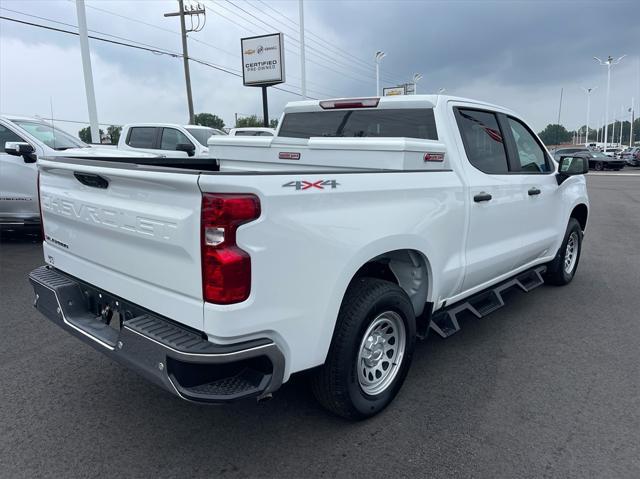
20 148
571 166
186 147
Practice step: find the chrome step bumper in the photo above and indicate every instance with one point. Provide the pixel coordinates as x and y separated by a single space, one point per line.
174 357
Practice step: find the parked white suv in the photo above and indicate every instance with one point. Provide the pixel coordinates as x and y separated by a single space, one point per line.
362 225
166 139
22 141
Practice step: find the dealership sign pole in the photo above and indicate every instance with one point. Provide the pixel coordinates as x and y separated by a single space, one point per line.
263 64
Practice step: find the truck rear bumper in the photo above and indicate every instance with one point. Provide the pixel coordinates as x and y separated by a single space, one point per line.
174 357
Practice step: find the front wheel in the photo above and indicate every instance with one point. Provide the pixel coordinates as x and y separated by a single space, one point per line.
599 166
370 352
563 268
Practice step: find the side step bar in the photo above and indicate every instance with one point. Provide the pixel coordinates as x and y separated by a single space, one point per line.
445 322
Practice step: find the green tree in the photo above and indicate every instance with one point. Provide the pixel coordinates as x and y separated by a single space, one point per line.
273 123
248 121
210 120
85 134
555 134
114 134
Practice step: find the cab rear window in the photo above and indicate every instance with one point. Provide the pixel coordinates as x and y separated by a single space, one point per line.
407 123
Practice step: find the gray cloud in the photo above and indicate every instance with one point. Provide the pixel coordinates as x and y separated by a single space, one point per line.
514 53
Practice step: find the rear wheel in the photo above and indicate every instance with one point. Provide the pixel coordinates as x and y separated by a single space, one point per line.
599 166
563 268
370 352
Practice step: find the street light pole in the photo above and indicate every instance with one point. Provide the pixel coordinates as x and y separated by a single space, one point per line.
379 56
588 92
609 62
416 78
631 110
86 69
303 71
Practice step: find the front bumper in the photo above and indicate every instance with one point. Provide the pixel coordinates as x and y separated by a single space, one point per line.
174 357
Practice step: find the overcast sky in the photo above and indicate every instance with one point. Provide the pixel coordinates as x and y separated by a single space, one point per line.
518 54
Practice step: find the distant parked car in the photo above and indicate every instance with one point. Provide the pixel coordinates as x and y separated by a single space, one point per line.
613 152
253 131
599 161
567 151
631 156
167 139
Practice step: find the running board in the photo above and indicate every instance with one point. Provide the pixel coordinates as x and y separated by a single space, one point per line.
445 322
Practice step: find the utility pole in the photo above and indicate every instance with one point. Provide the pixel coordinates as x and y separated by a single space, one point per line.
190 11
303 67
609 62
86 69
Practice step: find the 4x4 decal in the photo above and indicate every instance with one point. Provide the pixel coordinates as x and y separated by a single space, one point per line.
306 185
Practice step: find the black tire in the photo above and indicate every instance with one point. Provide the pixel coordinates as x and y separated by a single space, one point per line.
556 273
599 166
336 384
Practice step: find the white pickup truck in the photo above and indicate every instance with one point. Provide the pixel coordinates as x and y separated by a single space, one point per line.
361 225
167 139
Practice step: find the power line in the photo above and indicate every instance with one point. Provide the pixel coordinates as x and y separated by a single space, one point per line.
317 52
152 50
362 79
320 40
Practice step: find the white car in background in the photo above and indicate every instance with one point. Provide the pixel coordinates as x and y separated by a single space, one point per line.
252 131
23 140
167 139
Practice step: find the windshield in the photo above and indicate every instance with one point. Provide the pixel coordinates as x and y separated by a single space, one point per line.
52 137
598 154
203 134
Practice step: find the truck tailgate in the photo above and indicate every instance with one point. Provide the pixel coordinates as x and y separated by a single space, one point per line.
131 231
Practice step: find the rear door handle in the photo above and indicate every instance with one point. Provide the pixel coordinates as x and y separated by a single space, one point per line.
482 196
534 191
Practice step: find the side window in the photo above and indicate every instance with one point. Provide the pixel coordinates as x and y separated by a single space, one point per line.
142 137
483 141
531 156
172 138
7 135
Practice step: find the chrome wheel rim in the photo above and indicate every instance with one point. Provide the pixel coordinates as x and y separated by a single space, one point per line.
571 253
381 352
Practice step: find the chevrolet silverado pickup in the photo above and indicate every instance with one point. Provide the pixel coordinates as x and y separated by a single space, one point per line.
330 247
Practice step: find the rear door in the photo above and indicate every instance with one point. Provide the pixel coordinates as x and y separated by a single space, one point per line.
132 231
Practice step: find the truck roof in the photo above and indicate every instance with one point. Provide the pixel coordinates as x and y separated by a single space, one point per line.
399 101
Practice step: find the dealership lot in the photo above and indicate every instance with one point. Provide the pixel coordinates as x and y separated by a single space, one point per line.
547 387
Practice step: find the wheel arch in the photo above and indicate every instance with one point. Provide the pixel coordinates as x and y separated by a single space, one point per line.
408 268
581 213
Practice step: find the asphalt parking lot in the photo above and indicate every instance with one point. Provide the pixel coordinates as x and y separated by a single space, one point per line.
548 386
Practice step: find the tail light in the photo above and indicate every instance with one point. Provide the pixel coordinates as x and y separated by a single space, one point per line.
226 269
